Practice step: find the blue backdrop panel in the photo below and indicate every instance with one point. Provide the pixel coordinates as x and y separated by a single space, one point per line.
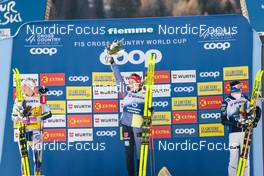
196 56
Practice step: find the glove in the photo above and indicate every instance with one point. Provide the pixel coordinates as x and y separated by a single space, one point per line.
109 59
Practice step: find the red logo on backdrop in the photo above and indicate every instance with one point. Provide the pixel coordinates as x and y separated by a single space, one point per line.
244 83
79 121
50 135
210 102
179 117
162 76
52 79
105 106
161 131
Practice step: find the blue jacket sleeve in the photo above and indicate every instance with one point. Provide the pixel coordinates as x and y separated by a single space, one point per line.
230 120
119 80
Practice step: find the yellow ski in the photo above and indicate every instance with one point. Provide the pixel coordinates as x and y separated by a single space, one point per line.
248 133
21 127
147 116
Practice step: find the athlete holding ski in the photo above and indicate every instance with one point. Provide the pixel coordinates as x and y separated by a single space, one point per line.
32 111
132 116
238 116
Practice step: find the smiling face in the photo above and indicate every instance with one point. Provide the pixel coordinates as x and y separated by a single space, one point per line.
133 85
27 90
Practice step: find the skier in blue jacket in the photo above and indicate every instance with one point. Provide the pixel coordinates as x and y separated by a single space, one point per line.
237 115
132 115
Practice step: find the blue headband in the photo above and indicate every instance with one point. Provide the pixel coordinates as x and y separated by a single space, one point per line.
235 89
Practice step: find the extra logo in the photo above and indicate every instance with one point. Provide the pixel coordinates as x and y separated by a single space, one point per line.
180 117
107 133
78 78
51 135
79 121
105 106
188 89
218 46
210 74
52 79
162 104
161 131
43 51
56 93
210 102
134 57
185 131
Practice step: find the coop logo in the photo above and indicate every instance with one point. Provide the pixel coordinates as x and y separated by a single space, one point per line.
207 130
79 121
52 79
105 106
211 116
185 131
162 104
135 57
43 51
183 76
75 135
210 74
235 73
210 102
106 133
188 131
105 120
58 135
79 106
78 79
56 93
161 118
218 46
161 131
180 117
188 89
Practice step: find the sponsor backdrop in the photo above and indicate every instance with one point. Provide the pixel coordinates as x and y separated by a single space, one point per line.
14 13
197 57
